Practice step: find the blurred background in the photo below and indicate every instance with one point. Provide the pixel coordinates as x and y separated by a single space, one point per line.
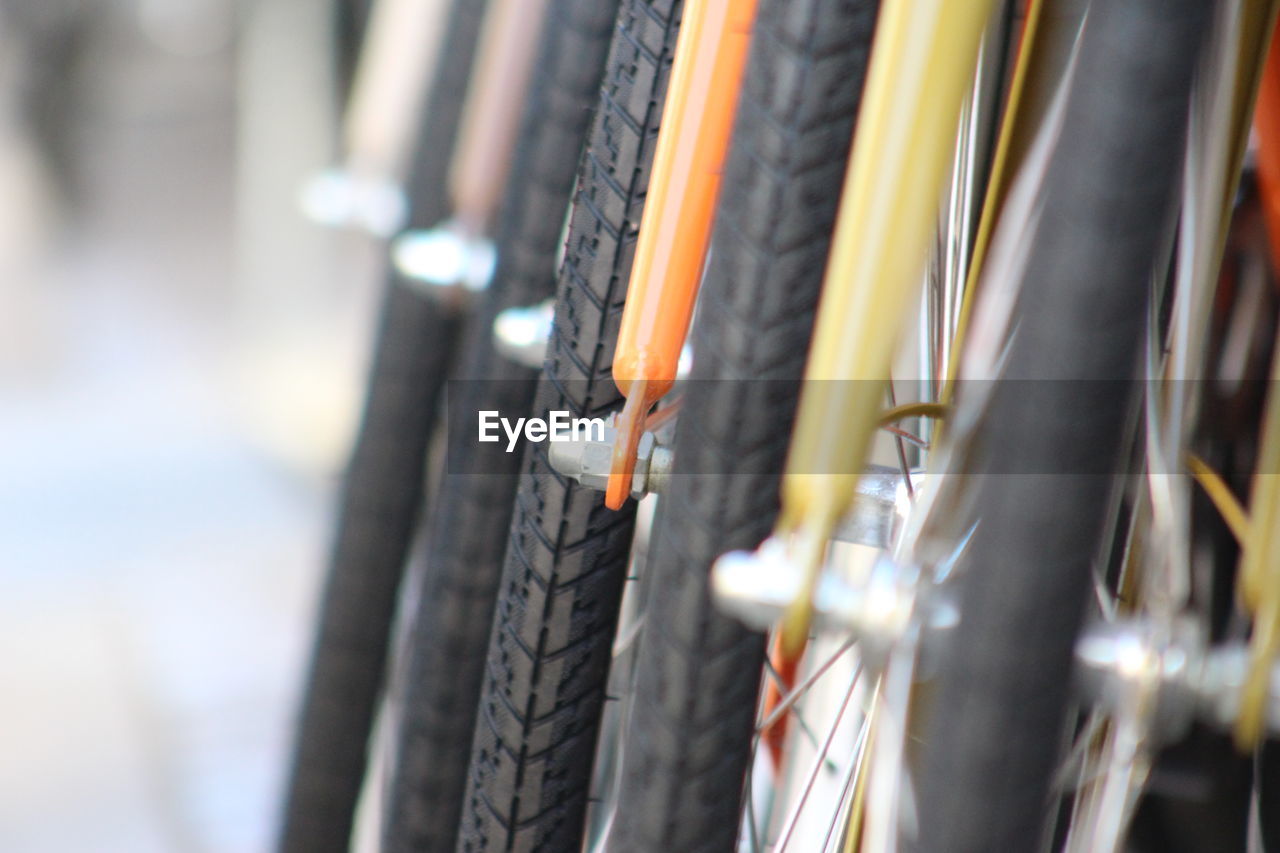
180 358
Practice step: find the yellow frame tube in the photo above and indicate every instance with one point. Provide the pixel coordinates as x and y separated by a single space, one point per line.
1259 575
921 68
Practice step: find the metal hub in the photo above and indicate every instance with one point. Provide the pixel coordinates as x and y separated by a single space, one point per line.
445 259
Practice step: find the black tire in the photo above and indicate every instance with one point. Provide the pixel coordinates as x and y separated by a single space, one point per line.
566 561
688 743
455 569
1053 431
381 498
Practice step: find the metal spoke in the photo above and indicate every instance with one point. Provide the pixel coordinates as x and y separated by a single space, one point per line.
846 787
1076 763
752 832
800 720
819 763
629 637
908 437
1109 806
902 450
889 749
798 692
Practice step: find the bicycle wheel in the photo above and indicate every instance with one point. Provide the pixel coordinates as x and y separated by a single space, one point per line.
1052 443
381 498
689 737
566 560
454 574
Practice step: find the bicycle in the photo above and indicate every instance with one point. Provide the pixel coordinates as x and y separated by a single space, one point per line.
739 580
435 325
930 690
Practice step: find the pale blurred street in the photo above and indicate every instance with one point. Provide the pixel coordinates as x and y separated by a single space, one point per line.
179 353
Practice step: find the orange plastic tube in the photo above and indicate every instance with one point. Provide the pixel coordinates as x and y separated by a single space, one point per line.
697 121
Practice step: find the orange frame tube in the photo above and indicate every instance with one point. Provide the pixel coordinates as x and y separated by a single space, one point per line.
697 122
1267 123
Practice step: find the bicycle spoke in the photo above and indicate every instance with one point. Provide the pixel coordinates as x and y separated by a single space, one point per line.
847 790
1109 806
909 437
888 753
798 692
903 468
819 763
628 638
752 832
1076 762
800 720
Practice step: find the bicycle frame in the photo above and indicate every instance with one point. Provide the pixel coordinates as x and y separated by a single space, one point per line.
487 134
456 255
919 75
1259 575
395 71
675 228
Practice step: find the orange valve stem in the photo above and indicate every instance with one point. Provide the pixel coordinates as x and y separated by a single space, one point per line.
697 121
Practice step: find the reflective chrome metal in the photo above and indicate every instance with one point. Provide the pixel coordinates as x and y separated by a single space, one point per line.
875 519
589 461
398 59
521 334
444 258
1189 681
343 198
879 509
756 587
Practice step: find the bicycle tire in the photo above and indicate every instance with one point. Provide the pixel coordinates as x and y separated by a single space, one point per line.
688 743
1058 428
382 495
455 568
567 555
